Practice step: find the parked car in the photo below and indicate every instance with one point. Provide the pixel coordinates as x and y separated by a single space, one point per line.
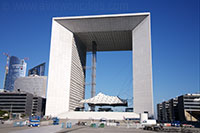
187 125
176 124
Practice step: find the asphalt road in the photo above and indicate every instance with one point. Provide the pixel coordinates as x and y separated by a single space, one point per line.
42 129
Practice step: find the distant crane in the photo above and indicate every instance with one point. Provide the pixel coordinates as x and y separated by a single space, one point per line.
6 69
26 58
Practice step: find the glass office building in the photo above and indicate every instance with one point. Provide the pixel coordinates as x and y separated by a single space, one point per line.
17 68
37 70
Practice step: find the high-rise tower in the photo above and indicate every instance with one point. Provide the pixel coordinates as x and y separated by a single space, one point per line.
17 68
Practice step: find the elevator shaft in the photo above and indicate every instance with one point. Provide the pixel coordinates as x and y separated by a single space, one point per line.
93 85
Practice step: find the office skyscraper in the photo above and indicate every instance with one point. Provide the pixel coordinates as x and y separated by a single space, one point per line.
17 68
37 70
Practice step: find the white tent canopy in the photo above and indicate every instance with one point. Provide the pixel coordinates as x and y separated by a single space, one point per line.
105 100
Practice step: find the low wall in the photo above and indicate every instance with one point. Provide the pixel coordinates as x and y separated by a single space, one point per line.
98 115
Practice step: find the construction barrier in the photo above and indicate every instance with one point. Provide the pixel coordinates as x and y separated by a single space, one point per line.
19 124
68 125
63 125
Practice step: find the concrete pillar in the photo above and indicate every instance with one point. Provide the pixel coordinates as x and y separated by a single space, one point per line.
142 68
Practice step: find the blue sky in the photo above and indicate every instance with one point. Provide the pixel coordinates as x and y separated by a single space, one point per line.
25 31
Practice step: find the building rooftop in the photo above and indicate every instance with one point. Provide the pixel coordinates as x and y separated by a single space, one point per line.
110 32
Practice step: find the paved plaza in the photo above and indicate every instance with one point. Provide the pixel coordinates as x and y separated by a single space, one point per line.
103 130
74 129
87 129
